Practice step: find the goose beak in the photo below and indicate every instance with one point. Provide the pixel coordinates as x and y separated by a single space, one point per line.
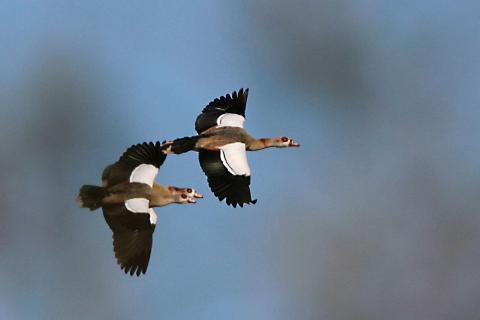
191 199
167 147
166 143
294 144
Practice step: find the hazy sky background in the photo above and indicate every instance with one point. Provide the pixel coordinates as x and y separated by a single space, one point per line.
374 217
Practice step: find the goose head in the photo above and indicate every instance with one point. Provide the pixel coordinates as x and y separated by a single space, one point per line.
285 142
184 195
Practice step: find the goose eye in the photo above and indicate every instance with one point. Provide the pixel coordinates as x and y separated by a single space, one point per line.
189 190
284 139
184 196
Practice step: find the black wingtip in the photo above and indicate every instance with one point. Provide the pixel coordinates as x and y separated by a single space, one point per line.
241 204
242 91
146 152
133 270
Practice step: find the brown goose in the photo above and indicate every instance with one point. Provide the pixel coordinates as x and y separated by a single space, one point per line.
127 197
222 144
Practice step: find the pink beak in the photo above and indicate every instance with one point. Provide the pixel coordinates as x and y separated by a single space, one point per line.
195 195
294 144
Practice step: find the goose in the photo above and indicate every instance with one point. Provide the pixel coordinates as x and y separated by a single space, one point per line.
127 197
222 143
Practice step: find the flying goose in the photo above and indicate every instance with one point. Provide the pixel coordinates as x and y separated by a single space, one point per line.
222 144
127 197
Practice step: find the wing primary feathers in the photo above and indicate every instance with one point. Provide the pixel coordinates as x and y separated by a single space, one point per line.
144 153
235 189
234 103
132 237
147 153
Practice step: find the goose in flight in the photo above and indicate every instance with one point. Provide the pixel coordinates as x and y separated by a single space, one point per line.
222 143
127 197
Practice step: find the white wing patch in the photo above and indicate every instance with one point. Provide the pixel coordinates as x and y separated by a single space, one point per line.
144 173
230 120
234 158
141 205
153 216
137 205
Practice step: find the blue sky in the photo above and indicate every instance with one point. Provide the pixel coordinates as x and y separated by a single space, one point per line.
370 210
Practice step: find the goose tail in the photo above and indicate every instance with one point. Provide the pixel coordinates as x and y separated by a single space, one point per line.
91 197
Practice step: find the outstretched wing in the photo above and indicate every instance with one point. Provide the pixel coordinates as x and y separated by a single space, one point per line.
228 173
140 163
133 225
227 110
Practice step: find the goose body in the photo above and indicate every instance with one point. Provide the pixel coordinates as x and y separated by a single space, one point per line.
222 143
127 197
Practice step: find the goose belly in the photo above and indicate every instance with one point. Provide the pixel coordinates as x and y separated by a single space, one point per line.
221 136
125 191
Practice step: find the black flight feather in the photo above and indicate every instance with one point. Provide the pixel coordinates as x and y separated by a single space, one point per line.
224 185
234 103
142 153
132 237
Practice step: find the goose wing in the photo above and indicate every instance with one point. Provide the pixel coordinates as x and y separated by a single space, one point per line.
228 173
139 163
132 224
227 110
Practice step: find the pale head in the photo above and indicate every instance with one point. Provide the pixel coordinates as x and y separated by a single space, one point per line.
184 195
285 142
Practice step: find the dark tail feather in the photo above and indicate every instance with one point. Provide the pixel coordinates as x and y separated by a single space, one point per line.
182 145
91 197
